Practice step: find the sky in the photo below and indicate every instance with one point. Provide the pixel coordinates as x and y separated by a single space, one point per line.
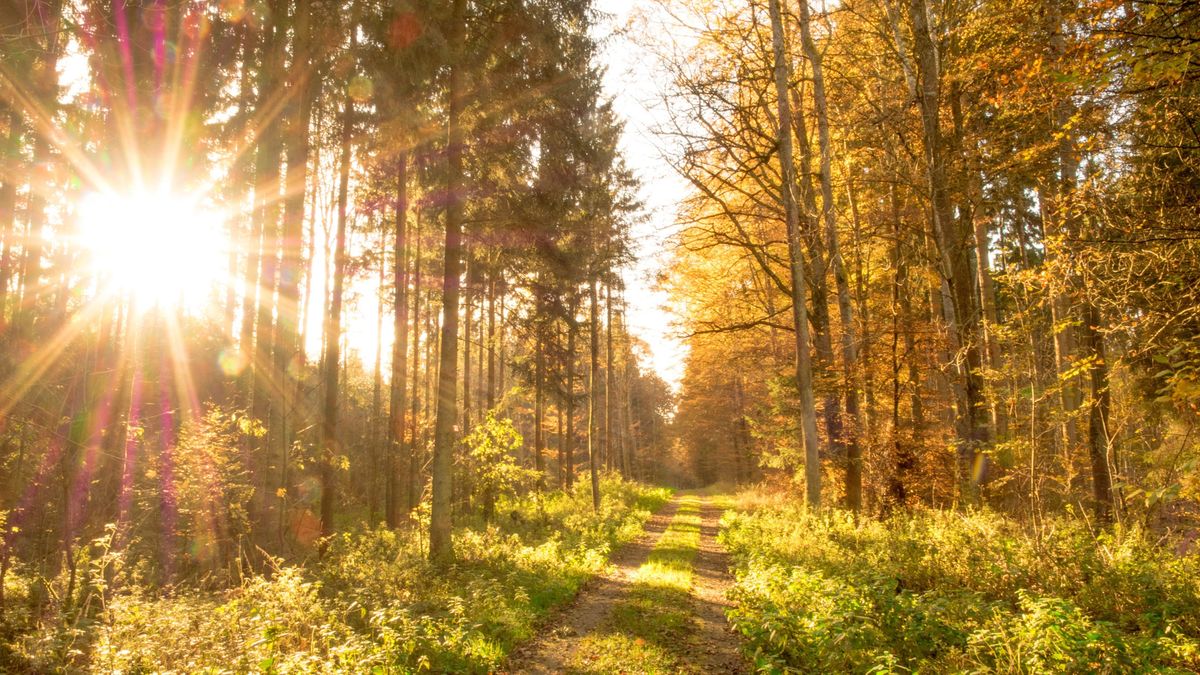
633 80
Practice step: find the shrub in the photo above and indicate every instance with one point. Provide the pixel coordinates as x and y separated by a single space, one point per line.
943 591
374 604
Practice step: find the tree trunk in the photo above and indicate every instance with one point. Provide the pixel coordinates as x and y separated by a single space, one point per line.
9 154
409 487
818 287
539 377
310 248
1069 337
853 424
625 428
630 430
955 251
991 320
593 380
378 439
491 345
480 339
1065 345
49 19
265 405
440 545
500 358
808 417
466 342
131 390
432 352
572 333
1099 433
903 459
562 462
333 325
260 273
398 460
868 429
289 352
608 379
557 369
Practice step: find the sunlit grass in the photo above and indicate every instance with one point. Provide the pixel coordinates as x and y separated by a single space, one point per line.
941 591
374 603
613 652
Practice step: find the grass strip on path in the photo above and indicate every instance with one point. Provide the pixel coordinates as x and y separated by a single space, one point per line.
650 624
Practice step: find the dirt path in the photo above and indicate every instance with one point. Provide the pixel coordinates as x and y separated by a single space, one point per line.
550 652
715 647
710 647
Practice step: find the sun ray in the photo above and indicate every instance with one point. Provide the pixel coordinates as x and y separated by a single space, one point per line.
185 387
102 417
45 126
34 367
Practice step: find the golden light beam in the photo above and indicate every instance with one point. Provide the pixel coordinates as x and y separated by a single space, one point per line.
185 386
44 125
32 369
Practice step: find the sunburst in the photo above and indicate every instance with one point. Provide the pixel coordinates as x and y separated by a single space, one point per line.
157 247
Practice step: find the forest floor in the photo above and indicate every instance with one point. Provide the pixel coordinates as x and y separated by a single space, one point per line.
658 608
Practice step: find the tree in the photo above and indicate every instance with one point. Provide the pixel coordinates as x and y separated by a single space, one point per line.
808 415
440 545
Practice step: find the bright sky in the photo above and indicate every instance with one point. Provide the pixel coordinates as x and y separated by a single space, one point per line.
634 81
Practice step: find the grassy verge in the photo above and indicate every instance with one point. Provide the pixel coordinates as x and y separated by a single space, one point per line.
373 605
939 591
651 623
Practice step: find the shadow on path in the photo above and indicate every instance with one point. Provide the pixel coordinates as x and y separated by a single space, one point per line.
715 647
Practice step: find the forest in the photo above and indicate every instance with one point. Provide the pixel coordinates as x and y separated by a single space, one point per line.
322 337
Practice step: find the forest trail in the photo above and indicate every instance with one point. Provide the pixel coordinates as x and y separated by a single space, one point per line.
658 608
717 646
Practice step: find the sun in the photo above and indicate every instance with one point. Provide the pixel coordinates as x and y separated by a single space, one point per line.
161 249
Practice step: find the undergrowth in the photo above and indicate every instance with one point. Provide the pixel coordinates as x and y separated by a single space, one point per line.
372 605
939 591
